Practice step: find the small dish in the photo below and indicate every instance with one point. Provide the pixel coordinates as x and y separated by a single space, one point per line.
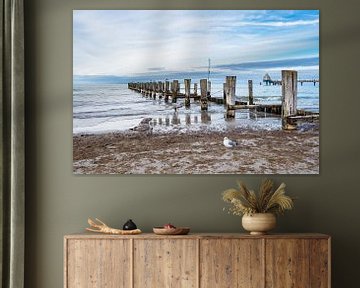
171 231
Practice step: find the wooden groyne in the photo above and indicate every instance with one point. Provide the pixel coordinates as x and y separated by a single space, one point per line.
165 90
287 109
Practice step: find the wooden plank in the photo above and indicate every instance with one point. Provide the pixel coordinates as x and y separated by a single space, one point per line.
203 91
66 262
289 98
89 235
165 263
230 96
175 89
304 112
132 272
299 117
319 263
198 257
251 95
224 92
244 106
187 83
231 263
287 263
230 90
98 263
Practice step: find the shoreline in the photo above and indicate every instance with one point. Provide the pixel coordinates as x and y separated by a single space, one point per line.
258 152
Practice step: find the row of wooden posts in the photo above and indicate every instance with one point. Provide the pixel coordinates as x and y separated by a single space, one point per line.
172 89
287 109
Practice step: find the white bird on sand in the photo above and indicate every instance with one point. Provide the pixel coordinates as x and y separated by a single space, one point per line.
229 143
143 127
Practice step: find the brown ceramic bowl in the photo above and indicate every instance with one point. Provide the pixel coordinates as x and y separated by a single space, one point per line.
171 231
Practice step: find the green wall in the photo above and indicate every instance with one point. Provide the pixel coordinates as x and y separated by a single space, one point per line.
59 203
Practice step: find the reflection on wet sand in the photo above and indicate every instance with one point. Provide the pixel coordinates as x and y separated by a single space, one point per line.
189 119
205 117
175 119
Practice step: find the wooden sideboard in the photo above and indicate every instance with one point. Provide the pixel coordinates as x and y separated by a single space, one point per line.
197 260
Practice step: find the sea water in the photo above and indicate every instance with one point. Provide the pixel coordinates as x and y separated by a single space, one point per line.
102 108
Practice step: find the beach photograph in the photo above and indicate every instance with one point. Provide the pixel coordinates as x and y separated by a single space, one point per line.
196 92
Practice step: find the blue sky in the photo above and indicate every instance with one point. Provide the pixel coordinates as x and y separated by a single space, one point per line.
145 42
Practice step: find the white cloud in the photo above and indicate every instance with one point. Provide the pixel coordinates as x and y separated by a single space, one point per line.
123 42
279 23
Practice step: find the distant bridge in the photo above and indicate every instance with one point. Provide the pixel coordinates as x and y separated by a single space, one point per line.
268 81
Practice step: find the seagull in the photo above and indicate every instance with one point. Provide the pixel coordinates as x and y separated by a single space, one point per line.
229 143
143 127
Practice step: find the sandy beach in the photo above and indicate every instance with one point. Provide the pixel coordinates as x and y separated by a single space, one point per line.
258 152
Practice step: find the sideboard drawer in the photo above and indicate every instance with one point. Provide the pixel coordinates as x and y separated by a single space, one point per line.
98 263
231 263
165 263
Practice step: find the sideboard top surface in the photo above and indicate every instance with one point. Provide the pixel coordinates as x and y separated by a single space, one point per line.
87 235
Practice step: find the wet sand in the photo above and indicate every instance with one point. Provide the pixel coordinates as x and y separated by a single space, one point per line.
258 152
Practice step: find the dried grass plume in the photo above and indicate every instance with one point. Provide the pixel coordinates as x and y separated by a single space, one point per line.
267 200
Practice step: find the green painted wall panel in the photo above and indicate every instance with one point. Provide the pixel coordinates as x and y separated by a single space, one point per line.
59 203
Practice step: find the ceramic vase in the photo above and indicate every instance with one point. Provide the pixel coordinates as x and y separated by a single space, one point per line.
259 223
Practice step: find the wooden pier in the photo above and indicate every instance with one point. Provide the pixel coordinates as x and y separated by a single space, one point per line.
268 81
287 109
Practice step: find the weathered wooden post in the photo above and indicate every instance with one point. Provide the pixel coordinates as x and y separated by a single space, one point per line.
187 83
149 89
154 90
167 91
203 97
251 96
174 91
160 89
146 89
164 89
289 98
195 89
209 89
230 96
224 92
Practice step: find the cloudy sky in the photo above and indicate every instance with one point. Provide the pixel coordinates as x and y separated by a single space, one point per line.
136 42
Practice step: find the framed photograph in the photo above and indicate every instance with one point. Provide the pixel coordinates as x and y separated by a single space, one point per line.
196 91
